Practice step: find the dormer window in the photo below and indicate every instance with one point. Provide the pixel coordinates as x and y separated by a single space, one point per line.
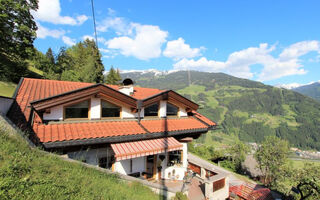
152 110
77 111
172 110
109 110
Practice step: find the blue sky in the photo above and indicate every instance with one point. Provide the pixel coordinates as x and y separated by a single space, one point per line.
276 42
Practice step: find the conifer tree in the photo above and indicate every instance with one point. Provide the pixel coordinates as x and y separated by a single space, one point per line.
18 30
113 76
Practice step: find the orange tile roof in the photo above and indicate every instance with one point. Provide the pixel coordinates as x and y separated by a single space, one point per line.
204 119
85 130
36 89
251 192
142 93
128 150
162 125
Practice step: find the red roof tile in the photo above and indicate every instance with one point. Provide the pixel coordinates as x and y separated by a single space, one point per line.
142 93
204 119
85 130
128 150
251 192
162 125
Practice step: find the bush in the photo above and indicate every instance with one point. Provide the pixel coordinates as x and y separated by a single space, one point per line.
180 196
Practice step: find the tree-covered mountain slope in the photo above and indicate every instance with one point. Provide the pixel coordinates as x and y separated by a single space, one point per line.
247 109
312 90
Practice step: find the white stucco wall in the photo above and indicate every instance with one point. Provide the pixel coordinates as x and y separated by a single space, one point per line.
126 113
141 113
221 194
95 111
182 112
179 172
56 113
163 109
128 90
123 166
185 155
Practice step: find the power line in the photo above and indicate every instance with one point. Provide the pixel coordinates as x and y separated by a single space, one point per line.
94 23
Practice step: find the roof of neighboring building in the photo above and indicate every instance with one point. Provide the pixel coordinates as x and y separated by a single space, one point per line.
251 192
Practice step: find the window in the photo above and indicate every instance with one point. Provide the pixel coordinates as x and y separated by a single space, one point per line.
79 110
151 110
109 110
174 158
106 162
172 110
103 162
217 185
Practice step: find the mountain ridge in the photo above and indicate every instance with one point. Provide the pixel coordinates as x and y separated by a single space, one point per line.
248 109
311 90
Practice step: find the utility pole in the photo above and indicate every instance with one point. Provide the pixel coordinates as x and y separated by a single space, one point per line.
94 24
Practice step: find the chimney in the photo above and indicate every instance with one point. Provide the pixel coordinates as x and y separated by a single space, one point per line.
127 87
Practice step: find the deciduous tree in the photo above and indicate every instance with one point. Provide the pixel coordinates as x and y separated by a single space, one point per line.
271 157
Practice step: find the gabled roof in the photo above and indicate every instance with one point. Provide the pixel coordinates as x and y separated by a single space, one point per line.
30 90
83 93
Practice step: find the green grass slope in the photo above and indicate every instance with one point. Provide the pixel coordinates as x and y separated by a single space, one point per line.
27 173
245 109
7 89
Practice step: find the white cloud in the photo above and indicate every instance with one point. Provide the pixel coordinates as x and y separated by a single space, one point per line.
81 19
178 49
144 44
119 25
49 11
111 12
104 50
201 64
239 63
68 41
299 49
44 32
289 86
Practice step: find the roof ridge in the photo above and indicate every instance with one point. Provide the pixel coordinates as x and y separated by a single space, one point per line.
63 81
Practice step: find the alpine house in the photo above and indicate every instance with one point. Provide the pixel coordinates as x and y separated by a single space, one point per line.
135 131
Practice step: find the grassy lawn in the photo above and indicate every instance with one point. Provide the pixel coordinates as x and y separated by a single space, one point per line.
27 173
35 70
7 89
300 163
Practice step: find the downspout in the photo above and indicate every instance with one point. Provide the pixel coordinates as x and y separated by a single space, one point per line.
139 105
